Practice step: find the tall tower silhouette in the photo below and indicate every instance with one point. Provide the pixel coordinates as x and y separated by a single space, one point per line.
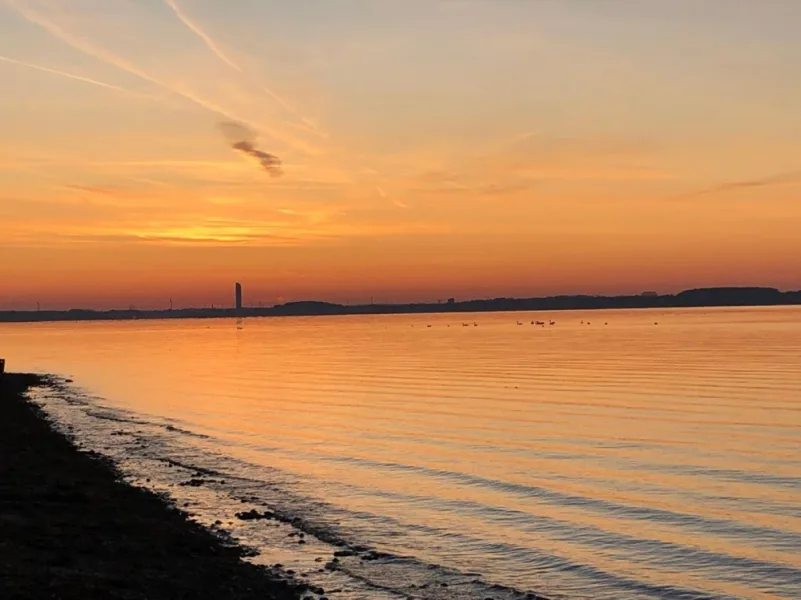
238 296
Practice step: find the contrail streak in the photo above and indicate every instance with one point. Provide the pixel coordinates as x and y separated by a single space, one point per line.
95 52
524 136
44 69
210 43
219 53
394 200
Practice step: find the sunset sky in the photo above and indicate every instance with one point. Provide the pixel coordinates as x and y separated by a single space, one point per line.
429 148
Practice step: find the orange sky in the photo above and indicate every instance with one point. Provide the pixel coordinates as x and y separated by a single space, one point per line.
604 147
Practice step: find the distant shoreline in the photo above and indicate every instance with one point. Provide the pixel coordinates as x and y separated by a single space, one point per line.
694 298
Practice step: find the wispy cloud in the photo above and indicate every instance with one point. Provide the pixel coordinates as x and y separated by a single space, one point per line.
218 235
397 202
787 178
233 225
518 164
523 136
106 193
131 199
178 164
75 77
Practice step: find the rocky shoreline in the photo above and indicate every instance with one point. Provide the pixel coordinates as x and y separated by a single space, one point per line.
71 528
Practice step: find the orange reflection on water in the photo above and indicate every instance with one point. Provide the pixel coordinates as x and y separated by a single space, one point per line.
664 454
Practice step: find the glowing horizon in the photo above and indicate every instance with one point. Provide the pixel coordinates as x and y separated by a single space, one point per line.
427 149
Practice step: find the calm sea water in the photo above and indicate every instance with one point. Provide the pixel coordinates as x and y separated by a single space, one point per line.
605 456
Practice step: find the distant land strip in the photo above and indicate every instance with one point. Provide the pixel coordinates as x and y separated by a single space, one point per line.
702 297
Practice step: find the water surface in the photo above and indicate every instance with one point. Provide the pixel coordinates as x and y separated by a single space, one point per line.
615 454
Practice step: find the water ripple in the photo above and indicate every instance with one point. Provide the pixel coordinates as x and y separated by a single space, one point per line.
604 462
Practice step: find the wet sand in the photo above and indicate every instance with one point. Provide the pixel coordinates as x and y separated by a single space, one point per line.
70 528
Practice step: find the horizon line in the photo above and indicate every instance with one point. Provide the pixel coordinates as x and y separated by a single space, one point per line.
647 299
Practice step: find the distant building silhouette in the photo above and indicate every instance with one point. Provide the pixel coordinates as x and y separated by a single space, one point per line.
238 296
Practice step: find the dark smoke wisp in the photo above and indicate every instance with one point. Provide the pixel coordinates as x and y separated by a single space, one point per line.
243 139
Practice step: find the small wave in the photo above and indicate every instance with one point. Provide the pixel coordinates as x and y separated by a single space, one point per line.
367 568
688 520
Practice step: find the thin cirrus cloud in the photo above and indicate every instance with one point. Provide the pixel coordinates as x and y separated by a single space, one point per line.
109 195
781 179
512 170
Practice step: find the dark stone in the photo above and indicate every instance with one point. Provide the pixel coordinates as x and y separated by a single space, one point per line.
193 483
252 515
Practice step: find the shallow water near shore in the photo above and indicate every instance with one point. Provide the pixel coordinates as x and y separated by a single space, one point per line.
614 454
